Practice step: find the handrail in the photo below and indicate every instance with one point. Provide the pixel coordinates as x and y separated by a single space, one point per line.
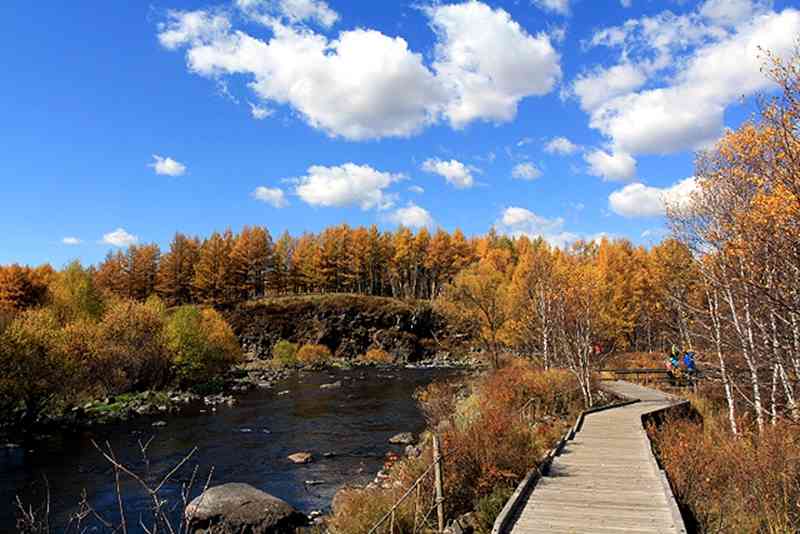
390 513
509 511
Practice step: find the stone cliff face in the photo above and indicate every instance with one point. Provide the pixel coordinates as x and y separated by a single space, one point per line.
347 324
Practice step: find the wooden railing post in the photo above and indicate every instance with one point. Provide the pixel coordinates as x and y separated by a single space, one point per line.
437 470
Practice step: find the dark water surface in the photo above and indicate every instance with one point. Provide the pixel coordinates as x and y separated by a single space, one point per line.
245 443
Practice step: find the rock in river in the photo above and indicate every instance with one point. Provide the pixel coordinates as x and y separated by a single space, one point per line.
332 385
234 508
403 438
301 458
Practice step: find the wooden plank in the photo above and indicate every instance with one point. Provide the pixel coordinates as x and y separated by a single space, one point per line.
605 480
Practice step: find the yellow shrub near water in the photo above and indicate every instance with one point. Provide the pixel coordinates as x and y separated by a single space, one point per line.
314 354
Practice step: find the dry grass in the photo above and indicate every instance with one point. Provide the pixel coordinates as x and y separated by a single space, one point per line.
749 483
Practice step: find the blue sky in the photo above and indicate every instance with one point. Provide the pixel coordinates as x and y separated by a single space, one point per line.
562 118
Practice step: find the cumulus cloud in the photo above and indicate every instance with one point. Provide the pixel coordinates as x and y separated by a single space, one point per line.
412 216
120 238
455 172
293 10
699 64
346 185
640 200
274 196
364 84
71 241
557 6
167 166
525 171
617 166
561 146
484 80
600 85
516 221
260 112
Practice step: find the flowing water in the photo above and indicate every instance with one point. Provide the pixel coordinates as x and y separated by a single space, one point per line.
248 443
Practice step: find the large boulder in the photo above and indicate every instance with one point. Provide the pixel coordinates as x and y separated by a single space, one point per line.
236 508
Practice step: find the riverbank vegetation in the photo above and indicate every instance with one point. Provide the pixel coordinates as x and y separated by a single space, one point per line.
726 483
488 442
76 343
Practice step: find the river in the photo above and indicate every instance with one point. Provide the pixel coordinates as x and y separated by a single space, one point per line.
248 443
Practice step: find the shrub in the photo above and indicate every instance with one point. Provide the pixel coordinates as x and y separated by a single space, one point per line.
749 483
131 349
33 374
314 354
202 344
376 356
7 315
284 353
76 343
488 507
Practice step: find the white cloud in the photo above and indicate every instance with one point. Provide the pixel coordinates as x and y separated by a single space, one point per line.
626 3
516 221
273 196
474 61
705 60
557 6
293 10
412 216
639 200
191 27
260 112
416 189
525 141
167 166
455 172
120 238
731 12
562 146
600 85
71 241
526 171
617 166
364 84
346 185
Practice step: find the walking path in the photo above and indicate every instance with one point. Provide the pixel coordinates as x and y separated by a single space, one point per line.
606 480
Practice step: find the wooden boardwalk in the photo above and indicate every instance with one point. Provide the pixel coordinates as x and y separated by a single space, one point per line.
606 479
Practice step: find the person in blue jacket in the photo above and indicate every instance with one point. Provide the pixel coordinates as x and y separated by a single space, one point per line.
688 362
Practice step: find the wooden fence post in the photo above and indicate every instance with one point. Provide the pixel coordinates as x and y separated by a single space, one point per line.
437 458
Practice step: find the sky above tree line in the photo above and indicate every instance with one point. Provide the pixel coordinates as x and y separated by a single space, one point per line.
125 122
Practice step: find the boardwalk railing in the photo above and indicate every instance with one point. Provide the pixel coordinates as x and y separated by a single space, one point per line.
517 500
421 520
529 413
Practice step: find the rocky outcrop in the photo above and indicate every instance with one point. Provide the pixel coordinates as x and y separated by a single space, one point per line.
349 325
235 508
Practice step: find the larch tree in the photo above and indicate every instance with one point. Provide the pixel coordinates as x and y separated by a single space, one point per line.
175 275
